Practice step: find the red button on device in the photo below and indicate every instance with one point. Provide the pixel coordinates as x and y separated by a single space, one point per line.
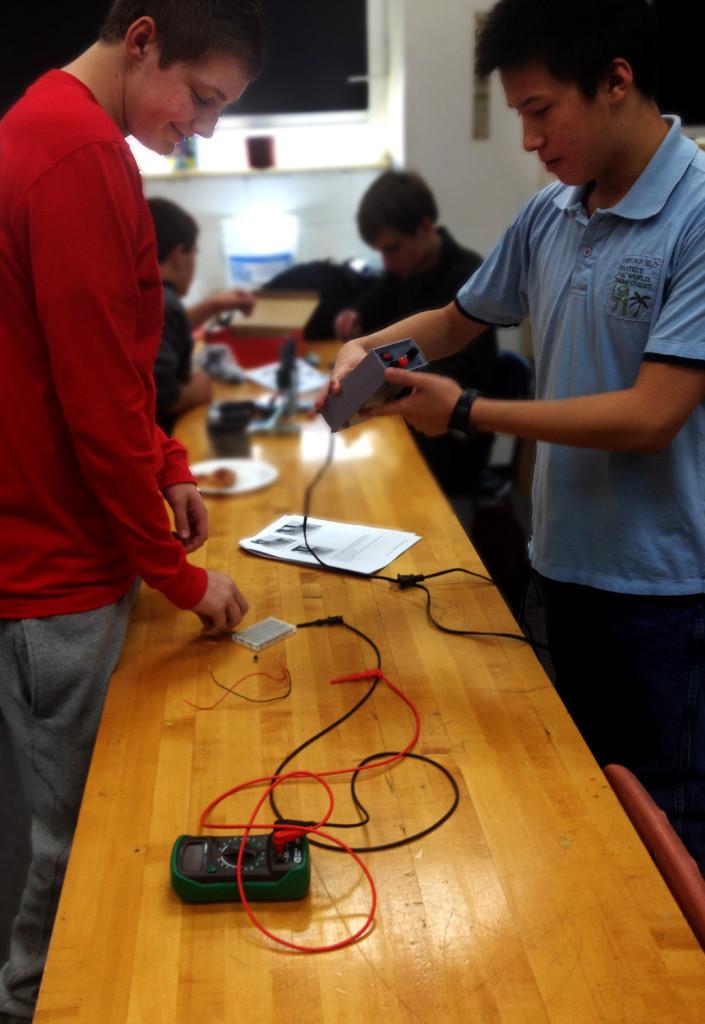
403 360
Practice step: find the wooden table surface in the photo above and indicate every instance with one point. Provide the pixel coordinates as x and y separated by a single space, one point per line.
534 903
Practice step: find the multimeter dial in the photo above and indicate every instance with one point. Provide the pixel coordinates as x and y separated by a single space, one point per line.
229 852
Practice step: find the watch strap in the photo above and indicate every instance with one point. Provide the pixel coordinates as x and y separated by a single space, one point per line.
460 416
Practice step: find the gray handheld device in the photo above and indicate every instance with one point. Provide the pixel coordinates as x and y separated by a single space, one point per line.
366 387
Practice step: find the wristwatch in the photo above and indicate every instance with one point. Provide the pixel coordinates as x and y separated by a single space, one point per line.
460 416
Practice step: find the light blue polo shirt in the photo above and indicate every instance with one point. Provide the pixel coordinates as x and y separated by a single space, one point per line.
603 293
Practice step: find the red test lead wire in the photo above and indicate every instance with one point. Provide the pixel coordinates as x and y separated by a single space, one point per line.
231 690
304 830
281 829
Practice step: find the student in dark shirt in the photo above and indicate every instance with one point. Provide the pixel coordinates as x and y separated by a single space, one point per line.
179 385
424 267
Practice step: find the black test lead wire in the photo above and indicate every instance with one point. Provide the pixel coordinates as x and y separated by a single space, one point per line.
337 620
404 582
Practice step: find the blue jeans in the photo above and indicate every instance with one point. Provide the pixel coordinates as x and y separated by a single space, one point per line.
631 672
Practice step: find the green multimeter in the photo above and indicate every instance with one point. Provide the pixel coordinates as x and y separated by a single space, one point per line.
204 868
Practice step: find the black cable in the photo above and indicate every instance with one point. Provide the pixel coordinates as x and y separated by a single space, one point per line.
470 632
334 620
414 581
306 514
337 620
404 581
468 572
407 839
307 503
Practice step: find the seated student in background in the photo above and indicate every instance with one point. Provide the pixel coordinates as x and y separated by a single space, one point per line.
423 268
179 385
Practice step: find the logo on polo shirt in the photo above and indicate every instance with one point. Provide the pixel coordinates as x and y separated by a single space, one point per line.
633 287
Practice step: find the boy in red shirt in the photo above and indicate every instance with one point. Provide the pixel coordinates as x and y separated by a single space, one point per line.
85 471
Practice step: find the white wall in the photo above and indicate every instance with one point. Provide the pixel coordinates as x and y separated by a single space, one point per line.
324 202
479 184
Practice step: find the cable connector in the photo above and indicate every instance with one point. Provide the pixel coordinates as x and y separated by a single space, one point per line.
332 620
356 677
281 837
409 580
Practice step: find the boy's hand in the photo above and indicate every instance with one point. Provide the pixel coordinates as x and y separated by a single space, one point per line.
219 304
190 515
347 324
349 355
199 389
231 299
222 606
429 406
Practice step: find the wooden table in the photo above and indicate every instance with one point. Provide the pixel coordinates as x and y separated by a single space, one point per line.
534 904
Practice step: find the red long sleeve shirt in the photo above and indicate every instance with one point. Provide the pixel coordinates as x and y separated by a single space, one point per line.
82 464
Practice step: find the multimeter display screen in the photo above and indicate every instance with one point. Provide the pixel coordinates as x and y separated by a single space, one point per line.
193 857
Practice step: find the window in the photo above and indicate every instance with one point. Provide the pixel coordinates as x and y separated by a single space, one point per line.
37 36
315 60
681 24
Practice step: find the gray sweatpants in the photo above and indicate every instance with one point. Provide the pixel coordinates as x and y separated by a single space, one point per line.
54 674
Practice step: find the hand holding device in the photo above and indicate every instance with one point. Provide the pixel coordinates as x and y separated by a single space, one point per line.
348 357
428 407
347 324
231 300
366 386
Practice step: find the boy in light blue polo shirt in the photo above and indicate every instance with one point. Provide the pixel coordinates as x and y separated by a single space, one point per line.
609 264
605 293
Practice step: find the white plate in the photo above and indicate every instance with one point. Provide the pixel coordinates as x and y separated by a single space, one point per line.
250 475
